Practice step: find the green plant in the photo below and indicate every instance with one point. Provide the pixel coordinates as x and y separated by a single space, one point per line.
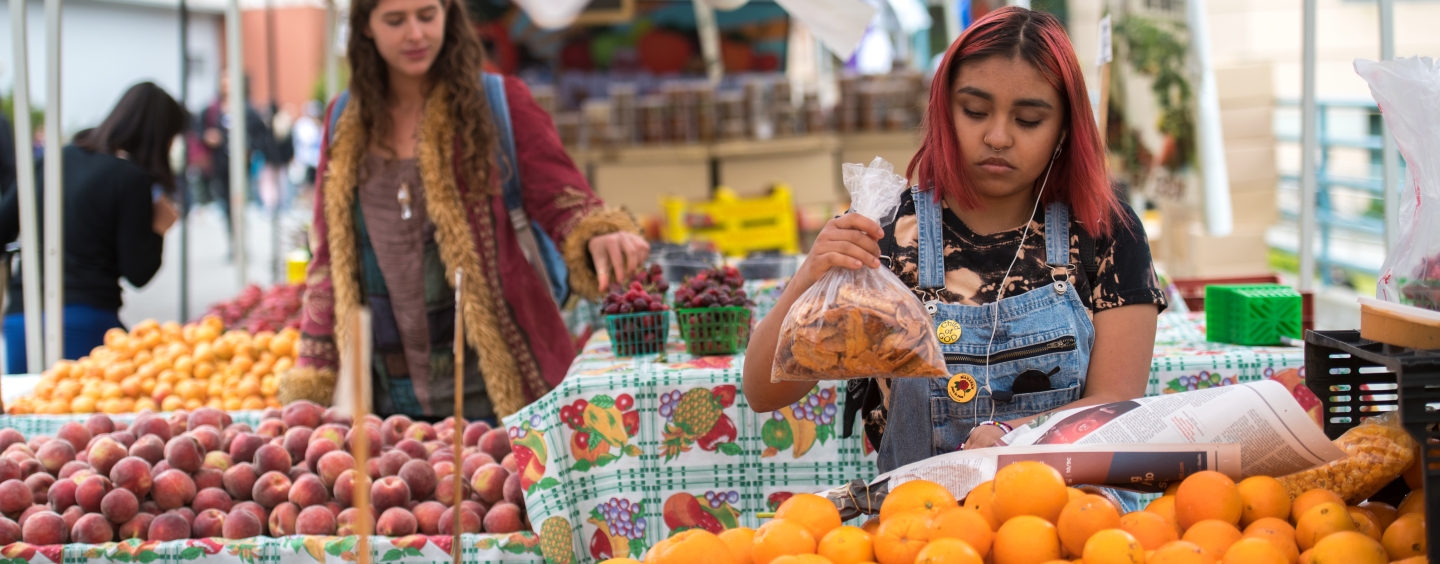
1157 49
7 107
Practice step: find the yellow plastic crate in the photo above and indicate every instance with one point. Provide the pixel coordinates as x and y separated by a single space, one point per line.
736 226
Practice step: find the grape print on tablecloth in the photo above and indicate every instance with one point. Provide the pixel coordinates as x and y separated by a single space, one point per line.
620 528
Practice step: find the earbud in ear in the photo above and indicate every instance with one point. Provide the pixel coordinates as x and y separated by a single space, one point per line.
1059 145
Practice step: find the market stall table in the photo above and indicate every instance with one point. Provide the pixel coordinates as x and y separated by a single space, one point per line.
627 450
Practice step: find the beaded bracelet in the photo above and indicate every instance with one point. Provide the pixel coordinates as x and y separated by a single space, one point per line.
1001 424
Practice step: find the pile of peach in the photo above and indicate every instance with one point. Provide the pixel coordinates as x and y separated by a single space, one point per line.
198 475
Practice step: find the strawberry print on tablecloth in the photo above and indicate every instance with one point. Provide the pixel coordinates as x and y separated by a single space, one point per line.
601 430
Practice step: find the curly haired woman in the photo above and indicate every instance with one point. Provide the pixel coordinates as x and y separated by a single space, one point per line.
411 190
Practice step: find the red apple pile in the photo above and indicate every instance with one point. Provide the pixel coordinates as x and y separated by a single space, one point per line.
199 475
257 310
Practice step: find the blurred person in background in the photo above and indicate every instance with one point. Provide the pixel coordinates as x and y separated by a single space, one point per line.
7 155
410 190
305 137
118 190
213 133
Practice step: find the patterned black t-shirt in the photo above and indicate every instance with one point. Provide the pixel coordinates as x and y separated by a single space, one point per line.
975 263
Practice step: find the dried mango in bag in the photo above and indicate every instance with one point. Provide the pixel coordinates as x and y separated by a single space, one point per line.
860 323
1377 451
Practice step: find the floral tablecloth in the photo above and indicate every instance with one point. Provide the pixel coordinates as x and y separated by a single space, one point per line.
628 451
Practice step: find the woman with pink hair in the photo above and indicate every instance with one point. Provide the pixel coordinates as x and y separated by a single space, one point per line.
1038 279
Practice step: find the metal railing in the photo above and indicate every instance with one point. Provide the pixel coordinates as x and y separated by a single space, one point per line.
1359 183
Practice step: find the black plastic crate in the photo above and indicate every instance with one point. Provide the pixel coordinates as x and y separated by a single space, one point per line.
1356 377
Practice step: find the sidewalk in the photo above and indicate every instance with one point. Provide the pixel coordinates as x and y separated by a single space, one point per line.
212 274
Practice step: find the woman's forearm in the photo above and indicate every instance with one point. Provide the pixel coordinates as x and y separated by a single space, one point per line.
762 394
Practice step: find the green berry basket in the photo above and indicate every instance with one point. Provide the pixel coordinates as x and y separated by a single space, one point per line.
635 334
714 330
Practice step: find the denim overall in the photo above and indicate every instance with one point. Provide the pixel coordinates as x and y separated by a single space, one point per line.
1045 329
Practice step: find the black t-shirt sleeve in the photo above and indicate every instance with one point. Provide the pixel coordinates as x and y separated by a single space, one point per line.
140 248
1127 273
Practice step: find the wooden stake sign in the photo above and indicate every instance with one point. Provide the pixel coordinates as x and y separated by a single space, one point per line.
360 448
458 430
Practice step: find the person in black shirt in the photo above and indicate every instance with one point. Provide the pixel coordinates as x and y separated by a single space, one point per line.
118 184
7 155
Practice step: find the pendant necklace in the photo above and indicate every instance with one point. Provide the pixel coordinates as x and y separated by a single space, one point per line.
403 196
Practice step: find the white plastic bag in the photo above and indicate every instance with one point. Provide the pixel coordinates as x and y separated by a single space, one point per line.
1408 92
860 323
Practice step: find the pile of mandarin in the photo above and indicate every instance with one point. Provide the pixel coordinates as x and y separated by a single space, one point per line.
1027 515
165 367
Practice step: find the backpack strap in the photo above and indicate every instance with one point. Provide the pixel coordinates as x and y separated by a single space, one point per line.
500 112
339 108
538 248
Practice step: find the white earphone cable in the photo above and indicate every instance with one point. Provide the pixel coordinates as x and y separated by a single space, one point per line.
1000 292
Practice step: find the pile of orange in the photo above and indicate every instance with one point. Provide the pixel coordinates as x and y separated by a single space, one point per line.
1027 515
164 367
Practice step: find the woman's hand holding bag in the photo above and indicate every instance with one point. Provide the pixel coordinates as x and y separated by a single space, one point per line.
857 322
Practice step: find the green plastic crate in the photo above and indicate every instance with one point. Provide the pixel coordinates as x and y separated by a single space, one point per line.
1252 314
715 330
635 334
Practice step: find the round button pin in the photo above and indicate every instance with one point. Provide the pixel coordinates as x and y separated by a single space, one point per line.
948 332
962 388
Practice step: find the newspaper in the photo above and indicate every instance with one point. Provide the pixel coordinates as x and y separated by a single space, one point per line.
1275 434
1143 445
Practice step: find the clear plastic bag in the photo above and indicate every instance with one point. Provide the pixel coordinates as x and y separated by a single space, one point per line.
860 323
1378 450
1407 90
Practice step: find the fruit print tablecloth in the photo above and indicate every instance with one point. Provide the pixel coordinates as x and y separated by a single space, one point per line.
628 451
631 450
1184 360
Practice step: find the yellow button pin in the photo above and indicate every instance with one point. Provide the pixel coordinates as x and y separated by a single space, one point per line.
948 332
962 388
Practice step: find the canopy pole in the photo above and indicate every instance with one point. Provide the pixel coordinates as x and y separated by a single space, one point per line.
25 183
709 33
1390 154
54 192
1219 216
1309 153
239 155
183 195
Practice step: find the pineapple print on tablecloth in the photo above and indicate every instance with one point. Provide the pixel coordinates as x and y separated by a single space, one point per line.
620 528
602 427
800 425
697 417
557 542
712 511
